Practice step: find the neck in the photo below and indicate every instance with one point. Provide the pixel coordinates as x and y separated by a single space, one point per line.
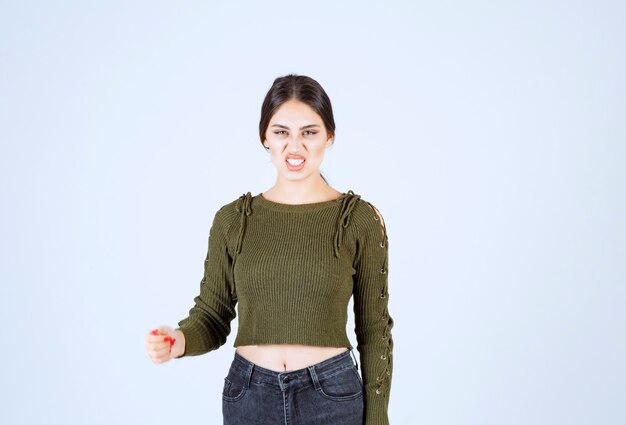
300 191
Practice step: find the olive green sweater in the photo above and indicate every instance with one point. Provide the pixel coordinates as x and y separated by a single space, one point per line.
290 269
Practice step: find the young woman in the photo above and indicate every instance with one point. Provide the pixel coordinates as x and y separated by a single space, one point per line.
289 259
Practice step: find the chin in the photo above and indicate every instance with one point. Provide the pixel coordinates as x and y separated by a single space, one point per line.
296 178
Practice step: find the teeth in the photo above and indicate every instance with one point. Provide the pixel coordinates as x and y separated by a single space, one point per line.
295 161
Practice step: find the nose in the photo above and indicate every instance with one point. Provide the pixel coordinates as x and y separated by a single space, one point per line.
294 144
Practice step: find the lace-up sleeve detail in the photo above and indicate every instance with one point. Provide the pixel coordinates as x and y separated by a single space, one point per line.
372 319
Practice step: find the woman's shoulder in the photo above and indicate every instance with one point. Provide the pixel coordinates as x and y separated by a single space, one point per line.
229 211
368 219
366 209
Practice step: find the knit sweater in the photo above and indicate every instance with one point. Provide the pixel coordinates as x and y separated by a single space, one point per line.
290 270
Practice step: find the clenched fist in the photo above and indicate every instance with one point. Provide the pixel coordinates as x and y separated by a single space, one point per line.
164 343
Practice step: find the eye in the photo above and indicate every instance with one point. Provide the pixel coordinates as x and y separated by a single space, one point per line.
279 132
311 132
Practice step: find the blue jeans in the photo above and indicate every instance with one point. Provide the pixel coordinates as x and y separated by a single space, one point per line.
328 392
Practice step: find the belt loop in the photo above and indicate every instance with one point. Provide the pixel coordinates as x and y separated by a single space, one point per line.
316 382
248 376
357 364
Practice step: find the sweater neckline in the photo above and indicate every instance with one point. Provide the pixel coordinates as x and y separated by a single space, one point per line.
311 206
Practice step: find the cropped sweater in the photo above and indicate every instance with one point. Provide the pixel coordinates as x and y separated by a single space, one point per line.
290 270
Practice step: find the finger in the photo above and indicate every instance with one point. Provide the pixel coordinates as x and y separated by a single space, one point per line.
170 340
159 360
166 340
160 352
161 330
159 345
151 337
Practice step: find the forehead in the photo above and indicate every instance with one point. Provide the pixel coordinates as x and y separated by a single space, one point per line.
297 113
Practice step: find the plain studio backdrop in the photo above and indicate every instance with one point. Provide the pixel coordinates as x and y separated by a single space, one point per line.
490 135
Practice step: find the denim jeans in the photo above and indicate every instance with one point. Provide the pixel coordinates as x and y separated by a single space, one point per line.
328 392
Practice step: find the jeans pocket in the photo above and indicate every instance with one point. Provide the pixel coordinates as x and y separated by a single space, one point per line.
234 387
341 386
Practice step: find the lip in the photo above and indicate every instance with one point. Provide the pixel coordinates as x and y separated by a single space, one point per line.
294 157
295 168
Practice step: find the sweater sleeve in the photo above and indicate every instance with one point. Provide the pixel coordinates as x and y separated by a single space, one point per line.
372 320
208 324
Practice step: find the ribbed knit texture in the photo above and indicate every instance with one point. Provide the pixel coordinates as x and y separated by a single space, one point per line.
290 270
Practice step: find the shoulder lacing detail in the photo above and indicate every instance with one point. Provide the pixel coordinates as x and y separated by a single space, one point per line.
243 207
378 217
388 351
347 205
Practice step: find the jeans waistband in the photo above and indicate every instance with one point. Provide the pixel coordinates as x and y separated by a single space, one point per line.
323 369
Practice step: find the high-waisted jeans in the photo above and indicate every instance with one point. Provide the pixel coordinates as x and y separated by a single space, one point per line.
328 392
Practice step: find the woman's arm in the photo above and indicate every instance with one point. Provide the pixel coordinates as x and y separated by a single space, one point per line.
208 324
372 319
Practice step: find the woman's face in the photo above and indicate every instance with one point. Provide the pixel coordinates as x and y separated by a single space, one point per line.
297 133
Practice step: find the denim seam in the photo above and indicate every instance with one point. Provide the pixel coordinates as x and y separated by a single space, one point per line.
336 372
246 385
320 390
340 398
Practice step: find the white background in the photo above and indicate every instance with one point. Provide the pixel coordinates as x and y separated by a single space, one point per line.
491 136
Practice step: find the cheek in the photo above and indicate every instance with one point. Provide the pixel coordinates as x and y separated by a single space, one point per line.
320 150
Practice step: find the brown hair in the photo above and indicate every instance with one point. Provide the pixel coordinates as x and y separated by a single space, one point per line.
301 88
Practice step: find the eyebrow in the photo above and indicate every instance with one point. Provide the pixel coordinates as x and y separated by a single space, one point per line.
301 128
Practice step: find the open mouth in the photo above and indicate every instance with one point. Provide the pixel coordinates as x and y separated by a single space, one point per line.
295 164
